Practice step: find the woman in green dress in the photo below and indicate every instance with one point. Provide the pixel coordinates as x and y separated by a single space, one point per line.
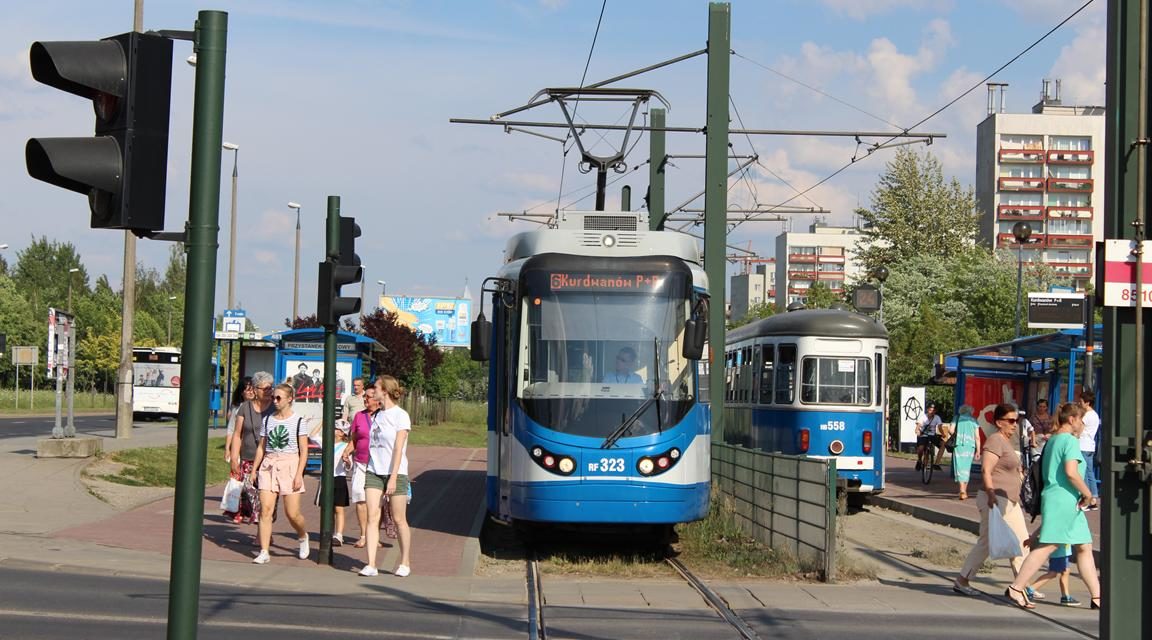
965 450
1063 502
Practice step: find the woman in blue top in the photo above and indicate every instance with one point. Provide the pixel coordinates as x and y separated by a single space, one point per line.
1063 502
965 450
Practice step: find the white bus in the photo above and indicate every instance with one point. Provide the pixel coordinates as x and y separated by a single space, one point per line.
155 382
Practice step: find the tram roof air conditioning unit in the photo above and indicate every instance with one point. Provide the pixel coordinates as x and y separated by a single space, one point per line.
603 220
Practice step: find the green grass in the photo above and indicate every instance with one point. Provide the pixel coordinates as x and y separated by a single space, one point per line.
156 466
450 434
44 401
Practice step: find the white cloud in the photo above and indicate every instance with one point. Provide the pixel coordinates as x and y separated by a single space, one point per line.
1081 67
862 9
266 258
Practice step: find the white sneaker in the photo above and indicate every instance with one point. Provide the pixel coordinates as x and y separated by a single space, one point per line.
262 558
368 571
402 571
338 539
304 547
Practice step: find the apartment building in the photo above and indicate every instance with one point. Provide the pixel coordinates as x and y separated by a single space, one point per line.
1043 168
824 254
755 285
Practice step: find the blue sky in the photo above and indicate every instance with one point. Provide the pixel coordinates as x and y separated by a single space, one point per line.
353 97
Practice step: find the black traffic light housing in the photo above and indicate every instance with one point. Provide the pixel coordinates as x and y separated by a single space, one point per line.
123 169
337 271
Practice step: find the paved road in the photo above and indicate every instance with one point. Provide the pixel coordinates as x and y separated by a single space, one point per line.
25 426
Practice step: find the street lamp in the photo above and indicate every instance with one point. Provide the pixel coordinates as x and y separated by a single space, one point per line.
1021 231
296 278
170 299
383 286
235 149
70 272
363 280
3 246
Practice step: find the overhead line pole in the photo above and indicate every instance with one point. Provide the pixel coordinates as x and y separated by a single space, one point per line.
716 200
657 161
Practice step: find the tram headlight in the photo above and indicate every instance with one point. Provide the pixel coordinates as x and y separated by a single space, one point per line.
566 466
608 240
549 461
645 466
537 452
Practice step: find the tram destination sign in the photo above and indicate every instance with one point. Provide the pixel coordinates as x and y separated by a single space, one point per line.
1055 310
569 281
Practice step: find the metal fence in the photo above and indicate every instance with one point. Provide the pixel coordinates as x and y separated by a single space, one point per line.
786 502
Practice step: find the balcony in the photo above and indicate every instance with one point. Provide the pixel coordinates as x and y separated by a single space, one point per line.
1021 184
1077 213
1031 156
1073 185
1074 269
802 257
837 276
1064 156
798 291
832 259
1008 241
801 275
1064 241
1020 212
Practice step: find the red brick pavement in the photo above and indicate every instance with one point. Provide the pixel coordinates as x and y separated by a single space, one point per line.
903 484
448 493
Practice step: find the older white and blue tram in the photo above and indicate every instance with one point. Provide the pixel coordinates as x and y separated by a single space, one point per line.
812 382
594 415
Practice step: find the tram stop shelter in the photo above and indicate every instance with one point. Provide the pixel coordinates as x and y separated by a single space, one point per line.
1019 371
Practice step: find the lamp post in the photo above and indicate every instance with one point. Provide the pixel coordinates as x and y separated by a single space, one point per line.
296 278
170 299
1021 231
383 286
3 246
70 272
235 149
881 274
363 307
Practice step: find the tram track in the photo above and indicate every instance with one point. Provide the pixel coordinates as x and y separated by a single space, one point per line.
538 629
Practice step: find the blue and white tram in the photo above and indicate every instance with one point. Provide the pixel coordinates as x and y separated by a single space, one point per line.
812 382
576 436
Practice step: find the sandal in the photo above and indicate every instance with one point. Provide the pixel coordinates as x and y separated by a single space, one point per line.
1023 602
360 544
1096 603
963 496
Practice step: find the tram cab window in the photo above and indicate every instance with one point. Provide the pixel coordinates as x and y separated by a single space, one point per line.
836 380
785 374
767 360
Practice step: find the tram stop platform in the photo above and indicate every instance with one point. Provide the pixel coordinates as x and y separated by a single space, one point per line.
445 514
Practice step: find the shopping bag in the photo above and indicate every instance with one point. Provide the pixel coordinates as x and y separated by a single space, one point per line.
1002 541
253 495
230 501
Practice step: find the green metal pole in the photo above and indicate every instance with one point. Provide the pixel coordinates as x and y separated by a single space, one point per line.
716 199
196 366
1126 531
656 163
626 198
326 478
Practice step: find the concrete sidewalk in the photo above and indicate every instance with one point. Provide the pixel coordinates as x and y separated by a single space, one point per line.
48 517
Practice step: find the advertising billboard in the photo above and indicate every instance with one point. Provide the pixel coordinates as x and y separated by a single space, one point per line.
307 379
447 319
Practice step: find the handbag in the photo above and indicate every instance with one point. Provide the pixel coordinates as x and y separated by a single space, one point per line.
1002 541
950 443
230 501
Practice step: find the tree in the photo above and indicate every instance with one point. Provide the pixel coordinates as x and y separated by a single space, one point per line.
408 355
755 312
914 212
821 297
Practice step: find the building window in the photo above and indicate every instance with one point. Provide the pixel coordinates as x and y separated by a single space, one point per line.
1070 143
832 251
1073 172
1019 198
1059 199
1071 227
1020 171
1017 141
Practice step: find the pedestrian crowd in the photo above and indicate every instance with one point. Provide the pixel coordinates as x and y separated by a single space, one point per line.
1052 477
267 449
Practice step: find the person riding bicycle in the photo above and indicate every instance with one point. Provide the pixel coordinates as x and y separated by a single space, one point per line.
927 430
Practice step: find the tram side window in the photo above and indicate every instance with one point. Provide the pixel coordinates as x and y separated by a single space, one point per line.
753 376
833 380
785 374
768 359
879 379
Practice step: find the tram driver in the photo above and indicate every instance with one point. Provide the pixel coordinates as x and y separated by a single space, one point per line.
625 370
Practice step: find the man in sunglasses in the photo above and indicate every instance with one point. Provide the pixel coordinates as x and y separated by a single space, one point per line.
625 371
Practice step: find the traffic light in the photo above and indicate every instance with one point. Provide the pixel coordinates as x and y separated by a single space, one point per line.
337 271
123 169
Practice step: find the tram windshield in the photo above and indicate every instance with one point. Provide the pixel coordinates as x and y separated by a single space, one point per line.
593 352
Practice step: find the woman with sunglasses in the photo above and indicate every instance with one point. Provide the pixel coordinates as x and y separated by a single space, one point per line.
1002 477
279 468
1065 498
245 440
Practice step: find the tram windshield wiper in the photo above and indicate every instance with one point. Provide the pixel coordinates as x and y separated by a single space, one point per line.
622 430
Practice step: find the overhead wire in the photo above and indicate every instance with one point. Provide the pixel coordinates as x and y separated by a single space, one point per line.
937 112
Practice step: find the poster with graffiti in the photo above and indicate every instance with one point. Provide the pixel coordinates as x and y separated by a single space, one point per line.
307 380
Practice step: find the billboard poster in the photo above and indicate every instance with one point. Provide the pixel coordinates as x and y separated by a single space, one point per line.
983 394
911 410
446 319
307 379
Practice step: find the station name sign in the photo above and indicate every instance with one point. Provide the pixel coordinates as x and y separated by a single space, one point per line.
1116 274
605 281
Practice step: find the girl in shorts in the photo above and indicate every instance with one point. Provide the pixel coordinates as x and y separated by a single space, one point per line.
387 473
279 469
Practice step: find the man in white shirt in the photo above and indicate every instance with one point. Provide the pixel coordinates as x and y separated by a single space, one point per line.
1088 440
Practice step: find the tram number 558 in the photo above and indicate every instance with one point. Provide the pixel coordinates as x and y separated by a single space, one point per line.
607 465
833 425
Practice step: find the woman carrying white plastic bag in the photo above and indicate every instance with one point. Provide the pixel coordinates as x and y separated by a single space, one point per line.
230 501
1002 540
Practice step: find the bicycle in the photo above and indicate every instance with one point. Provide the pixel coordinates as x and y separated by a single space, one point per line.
927 459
